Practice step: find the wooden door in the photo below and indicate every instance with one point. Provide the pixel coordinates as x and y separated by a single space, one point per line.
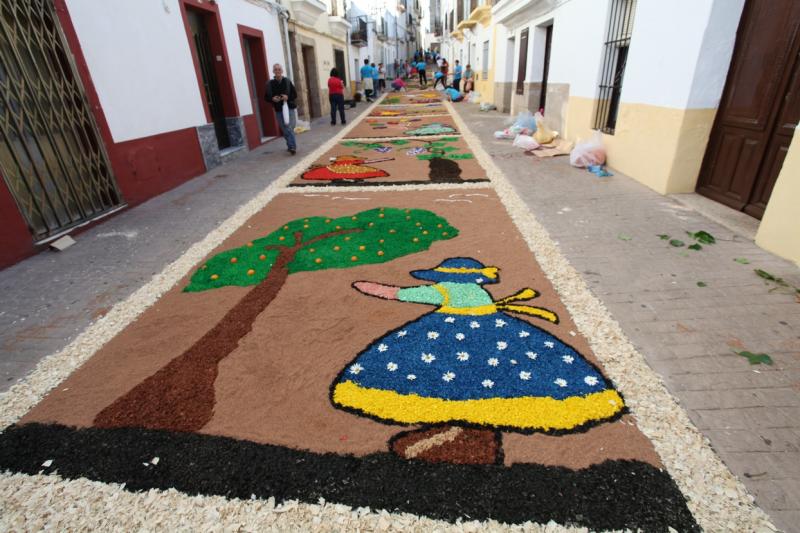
198 25
759 110
548 42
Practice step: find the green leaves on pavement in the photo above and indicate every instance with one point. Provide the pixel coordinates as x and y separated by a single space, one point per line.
755 358
702 237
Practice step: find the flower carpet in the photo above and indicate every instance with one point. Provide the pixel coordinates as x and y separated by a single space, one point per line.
409 353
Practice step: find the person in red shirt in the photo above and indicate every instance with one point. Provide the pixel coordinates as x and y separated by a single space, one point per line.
336 96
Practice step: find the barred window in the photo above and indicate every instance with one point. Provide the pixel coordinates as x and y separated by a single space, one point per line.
522 66
615 56
485 60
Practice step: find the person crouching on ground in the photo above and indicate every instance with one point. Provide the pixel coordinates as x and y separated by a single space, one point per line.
398 84
336 97
438 77
454 95
281 92
366 80
469 79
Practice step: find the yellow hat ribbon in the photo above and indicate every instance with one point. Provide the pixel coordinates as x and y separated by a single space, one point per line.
489 272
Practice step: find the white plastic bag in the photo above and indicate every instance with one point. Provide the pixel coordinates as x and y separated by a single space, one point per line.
474 97
525 142
543 135
587 153
503 134
285 111
525 120
302 126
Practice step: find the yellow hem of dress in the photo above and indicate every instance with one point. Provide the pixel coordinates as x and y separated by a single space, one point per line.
526 413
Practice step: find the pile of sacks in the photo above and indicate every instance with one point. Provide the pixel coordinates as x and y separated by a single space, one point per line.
531 133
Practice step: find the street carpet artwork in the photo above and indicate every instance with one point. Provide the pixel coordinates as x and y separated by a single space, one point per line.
408 110
399 350
413 97
394 162
403 127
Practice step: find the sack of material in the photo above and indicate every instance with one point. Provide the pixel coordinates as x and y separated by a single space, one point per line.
285 112
525 142
587 153
543 135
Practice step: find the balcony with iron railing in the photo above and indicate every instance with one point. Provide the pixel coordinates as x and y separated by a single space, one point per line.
358 31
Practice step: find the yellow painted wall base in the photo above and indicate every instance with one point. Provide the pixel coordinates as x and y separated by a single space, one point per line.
779 231
660 147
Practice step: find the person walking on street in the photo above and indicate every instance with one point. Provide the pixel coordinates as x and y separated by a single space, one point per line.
423 78
376 86
281 92
381 77
457 71
336 97
366 80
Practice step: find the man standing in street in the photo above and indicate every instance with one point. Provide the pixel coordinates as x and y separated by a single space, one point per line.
281 92
382 76
376 87
457 70
366 80
423 78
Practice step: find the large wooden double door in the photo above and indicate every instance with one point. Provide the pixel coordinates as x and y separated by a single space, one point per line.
759 111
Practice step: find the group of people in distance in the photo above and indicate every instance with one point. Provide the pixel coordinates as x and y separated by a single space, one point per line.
281 91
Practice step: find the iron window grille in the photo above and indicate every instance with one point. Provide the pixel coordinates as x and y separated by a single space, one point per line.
615 57
522 67
485 61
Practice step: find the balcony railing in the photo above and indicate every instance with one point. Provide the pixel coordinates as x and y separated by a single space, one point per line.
358 31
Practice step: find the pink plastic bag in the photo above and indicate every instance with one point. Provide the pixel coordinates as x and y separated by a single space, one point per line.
587 153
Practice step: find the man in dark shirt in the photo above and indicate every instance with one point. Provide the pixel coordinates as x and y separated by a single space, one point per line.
281 92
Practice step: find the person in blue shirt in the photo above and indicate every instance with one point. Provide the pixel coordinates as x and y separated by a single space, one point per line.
375 83
366 80
457 76
423 77
454 95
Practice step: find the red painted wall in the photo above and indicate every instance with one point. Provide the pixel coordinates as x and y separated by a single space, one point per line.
143 167
15 239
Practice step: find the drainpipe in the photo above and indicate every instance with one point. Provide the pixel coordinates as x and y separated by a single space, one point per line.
283 16
283 21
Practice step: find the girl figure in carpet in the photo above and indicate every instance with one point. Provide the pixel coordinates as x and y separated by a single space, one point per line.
469 369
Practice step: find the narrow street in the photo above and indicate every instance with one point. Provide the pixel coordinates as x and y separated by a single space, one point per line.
284 391
407 266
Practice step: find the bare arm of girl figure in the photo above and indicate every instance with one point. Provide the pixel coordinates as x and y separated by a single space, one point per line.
422 294
387 292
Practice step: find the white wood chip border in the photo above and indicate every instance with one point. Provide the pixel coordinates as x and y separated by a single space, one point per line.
717 499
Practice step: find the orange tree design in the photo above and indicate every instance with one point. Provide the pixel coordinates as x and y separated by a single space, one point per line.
180 396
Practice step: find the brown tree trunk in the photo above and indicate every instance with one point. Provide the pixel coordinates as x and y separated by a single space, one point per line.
180 396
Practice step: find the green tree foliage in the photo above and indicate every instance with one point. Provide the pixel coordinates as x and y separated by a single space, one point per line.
369 237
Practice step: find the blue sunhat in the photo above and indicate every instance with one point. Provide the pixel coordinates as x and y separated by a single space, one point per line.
460 270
